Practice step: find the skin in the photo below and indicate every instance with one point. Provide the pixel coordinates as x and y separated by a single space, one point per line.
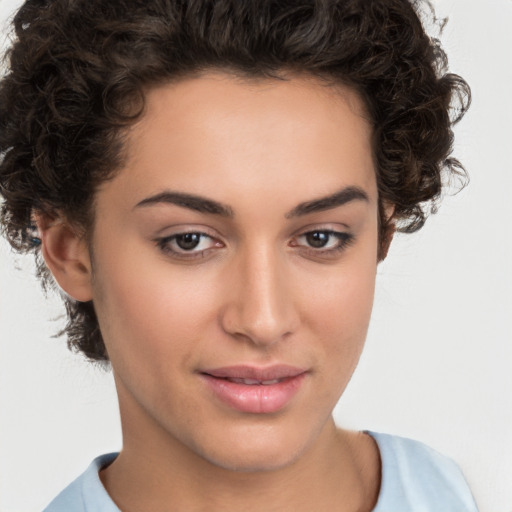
255 292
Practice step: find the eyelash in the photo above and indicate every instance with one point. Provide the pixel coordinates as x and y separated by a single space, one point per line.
164 245
344 240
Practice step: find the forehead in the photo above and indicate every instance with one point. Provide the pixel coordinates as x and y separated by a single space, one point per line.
222 134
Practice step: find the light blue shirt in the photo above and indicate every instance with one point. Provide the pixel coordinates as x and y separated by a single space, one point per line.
415 478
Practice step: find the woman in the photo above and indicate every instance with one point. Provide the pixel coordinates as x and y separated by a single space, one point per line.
212 184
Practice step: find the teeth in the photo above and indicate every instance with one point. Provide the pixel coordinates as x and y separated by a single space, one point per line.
250 382
254 382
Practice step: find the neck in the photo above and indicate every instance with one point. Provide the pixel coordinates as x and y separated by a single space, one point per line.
336 473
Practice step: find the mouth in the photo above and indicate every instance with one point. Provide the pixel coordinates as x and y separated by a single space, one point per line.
254 382
255 390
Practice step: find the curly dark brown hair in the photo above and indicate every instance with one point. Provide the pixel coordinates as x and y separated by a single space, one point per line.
78 70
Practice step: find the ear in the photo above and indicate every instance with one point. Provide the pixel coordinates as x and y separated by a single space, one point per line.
66 254
387 233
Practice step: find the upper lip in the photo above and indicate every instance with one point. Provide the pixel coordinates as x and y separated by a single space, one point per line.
274 372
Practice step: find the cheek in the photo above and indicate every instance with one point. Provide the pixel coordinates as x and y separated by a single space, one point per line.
343 325
338 316
352 309
340 305
149 308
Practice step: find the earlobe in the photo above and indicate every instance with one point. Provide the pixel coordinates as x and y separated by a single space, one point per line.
67 256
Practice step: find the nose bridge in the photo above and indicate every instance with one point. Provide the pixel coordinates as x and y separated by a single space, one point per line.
261 307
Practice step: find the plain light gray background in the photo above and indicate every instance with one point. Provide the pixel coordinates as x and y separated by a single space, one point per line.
438 361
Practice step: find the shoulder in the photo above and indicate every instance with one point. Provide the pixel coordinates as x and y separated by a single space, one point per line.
416 477
86 493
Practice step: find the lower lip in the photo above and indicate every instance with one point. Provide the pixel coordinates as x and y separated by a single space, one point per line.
256 399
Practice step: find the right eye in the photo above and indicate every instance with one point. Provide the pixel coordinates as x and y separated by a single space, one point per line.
188 245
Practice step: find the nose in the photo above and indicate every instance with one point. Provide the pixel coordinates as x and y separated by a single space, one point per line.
261 307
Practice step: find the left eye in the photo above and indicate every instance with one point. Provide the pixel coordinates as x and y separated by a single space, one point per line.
324 240
182 243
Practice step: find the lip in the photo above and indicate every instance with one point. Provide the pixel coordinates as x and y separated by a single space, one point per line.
266 390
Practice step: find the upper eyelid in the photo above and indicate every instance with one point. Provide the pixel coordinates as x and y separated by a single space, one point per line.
328 227
327 231
321 230
199 227
173 236
342 236
170 232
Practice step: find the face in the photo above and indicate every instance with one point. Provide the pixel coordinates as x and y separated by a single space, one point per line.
234 265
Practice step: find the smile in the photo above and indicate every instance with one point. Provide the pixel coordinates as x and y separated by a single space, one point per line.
252 390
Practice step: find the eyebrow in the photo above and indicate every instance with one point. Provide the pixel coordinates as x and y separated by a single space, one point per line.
343 196
205 205
190 201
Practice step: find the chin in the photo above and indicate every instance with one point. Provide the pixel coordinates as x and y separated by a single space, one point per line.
262 453
254 462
